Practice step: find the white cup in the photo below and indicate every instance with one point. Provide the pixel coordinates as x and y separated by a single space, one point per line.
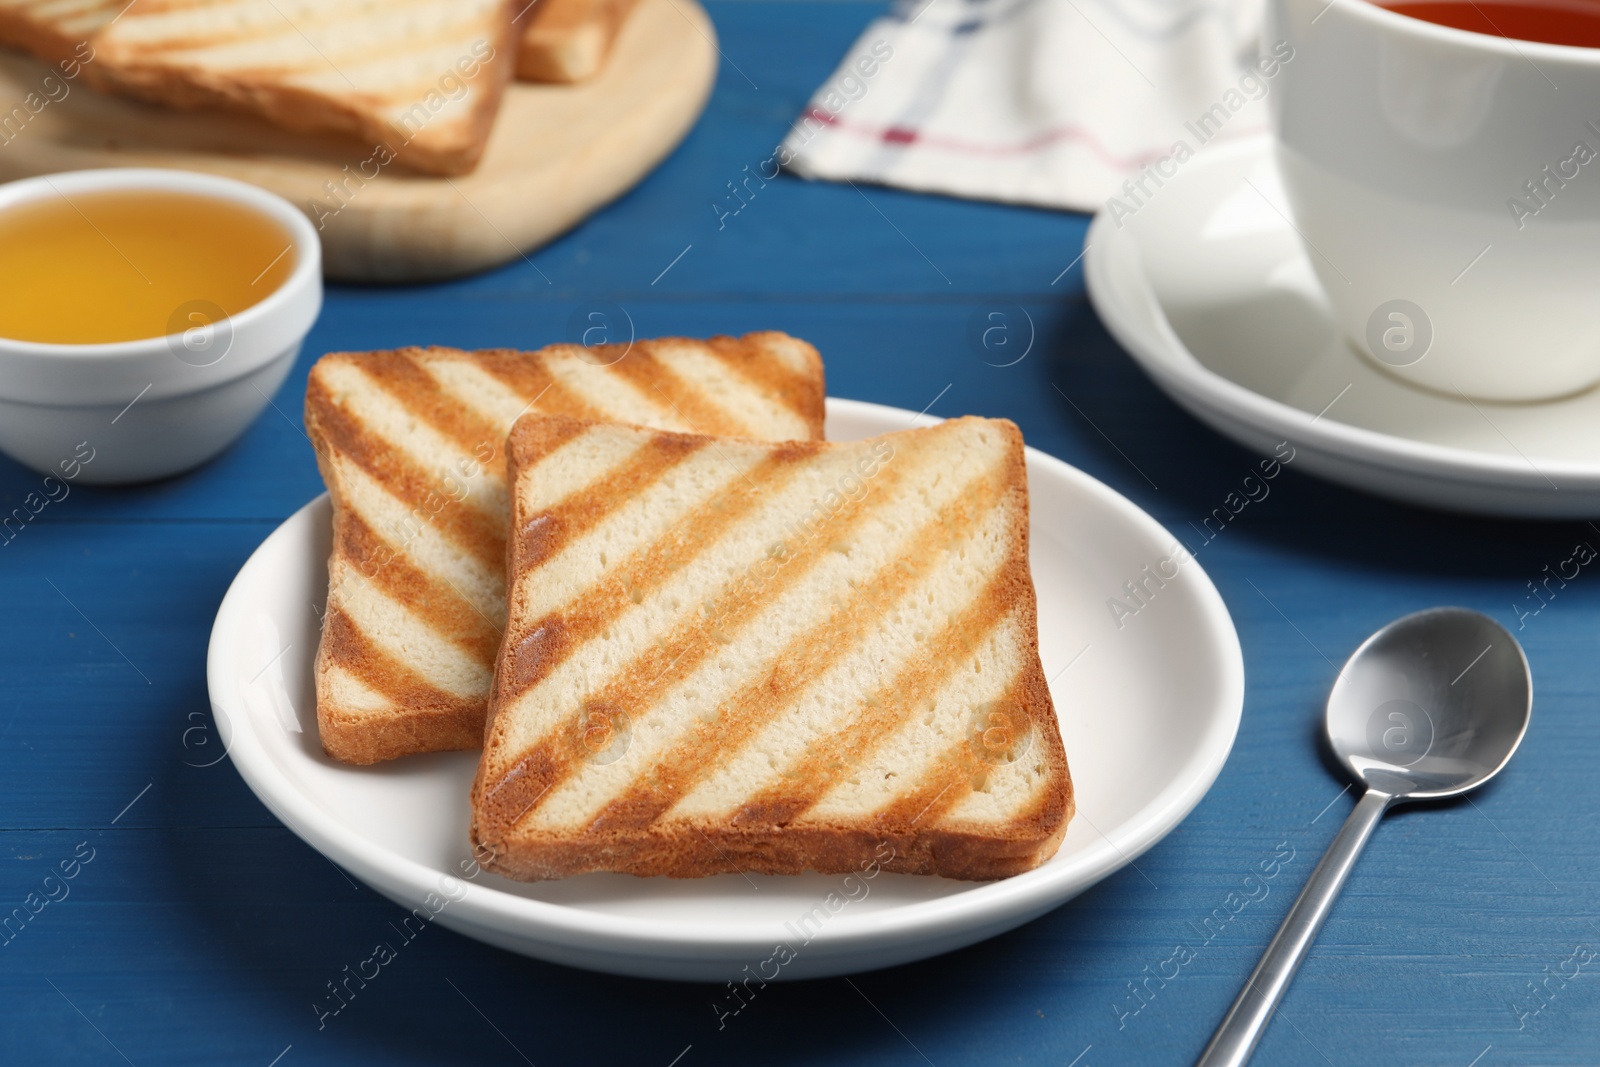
151 408
1447 187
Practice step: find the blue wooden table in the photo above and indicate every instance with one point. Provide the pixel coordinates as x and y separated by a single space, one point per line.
196 929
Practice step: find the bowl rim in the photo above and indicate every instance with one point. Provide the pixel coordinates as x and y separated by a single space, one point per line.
307 247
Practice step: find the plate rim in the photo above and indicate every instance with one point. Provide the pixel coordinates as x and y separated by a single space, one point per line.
1170 362
984 906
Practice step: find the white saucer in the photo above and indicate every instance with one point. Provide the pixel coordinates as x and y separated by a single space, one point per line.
1148 715
1209 288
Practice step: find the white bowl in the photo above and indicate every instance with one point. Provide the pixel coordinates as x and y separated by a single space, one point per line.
137 410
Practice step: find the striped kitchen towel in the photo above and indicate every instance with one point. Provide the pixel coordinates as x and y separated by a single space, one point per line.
1056 103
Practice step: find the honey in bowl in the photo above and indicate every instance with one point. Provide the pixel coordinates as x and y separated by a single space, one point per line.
93 268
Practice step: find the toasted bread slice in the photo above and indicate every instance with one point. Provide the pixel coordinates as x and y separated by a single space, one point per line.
568 41
57 29
421 78
411 444
735 656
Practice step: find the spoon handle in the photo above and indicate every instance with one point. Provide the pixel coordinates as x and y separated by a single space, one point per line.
1247 1020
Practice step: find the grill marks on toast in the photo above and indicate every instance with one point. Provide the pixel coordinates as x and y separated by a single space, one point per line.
833 757
691 406
608 388
937 573
410 384
793 721
411 636
54 29
861 602
422 77
450 612
943 785
399 537
501 385
406 413
683 587
997 707
699 626
346 647
342 433
948 779
558 633
713 375
784 375
276 34
801 665
411 445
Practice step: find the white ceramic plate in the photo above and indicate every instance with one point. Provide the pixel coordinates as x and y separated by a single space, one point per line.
1209 288
1148 714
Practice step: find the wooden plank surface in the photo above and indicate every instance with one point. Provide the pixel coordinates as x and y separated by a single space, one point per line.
557 153
202 932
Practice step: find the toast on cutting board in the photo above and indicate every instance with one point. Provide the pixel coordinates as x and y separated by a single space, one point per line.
57 29
385 74
422 77
741 656
567 41
559 41
411 444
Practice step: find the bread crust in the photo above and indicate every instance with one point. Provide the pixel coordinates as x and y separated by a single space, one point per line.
912 835
39 37
418 717
447 148
568 41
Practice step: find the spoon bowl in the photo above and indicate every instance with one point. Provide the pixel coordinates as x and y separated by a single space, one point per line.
1432 705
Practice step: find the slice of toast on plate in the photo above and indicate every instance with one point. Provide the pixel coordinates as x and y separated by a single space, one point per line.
421 78
731 656
411 444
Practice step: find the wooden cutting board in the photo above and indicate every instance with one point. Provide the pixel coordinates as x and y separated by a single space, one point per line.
557 153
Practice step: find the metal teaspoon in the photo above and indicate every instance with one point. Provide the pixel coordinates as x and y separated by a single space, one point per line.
1431 706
